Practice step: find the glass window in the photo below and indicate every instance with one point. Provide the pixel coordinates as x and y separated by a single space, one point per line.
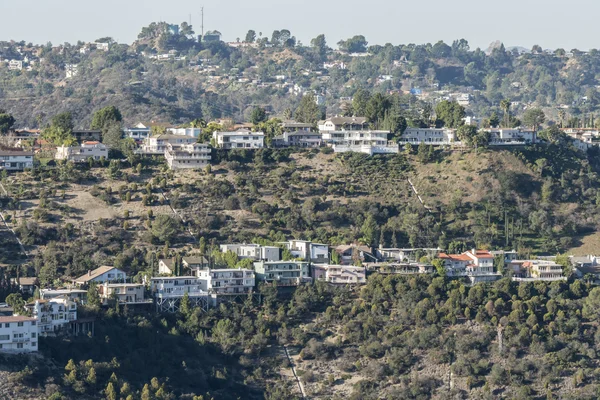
19 324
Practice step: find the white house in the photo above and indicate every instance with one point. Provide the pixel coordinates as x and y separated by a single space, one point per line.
429 136
101 275
191 132
18 334
536 270
53 315
253 251
339 123
187 156
15 160
308 251
242 139
227 281
166 266
71 70
15 65
168 292
477 265
124 293
408 255
89 149
299 138
77 295
139 131
339 274
284 273
508 137
158 144
369 142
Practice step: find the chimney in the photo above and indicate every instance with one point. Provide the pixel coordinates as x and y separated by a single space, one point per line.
89 272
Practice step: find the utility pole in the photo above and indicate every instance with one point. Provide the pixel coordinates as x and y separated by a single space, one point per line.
202 24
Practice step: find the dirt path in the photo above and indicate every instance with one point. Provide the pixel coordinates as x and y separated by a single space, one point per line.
293 366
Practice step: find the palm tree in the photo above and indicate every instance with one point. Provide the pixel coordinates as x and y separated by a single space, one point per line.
561 115
505 105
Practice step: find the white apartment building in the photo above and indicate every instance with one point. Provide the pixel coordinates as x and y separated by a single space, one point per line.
253 251
368 142
187 156
284 273
228 281
477 265
53 315
15 160
176 287
511 137
429 136
90 149
536 270
242 139
77 295
18 334
124 293
339 274
158 144
308 251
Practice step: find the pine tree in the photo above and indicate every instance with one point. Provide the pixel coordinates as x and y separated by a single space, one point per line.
110 392
146 394
91 378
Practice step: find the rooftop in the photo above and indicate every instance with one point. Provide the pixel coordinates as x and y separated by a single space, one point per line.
94 274
15 318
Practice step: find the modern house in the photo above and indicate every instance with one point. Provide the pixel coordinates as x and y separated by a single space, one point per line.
284 273
194 263
368 142
306 139
343 123
339 274
294 126
53 315
477 265
77 295
101 275
87 135
511 137
26 285
400 268
168 292
428 136
242 139
15 159
308 251
18 334
351 254
227 281
407 255
158 144
191 132
71 70
187 156
124 293
253 251
536 270
83 152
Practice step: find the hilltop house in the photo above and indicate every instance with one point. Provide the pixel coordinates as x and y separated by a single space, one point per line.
87 135
409 255
299 138
428 136
227 281
253 251
18 334
400 268
536 270
76 295
26 285
53 315
242 139
477 265
168 292
511 137
101 275
369 142
124 293
342 123
187 156
294 126
308 251
15 159
339 274
158 144
284 273
194 263
351 254
83 152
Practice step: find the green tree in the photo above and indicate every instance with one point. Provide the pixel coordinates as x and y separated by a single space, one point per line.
106 117
308 111
110 393
223 333
355 44
93 298
450 113
15 300
369 230
505 106
185 306
250 36
63 121
534 117
112 136
258 115
91 377
165 228
359 102
319 45
6 121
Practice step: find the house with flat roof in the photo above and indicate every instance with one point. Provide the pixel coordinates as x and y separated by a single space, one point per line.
187 156
53 315
77 295
18 334
227 281
241 139
253 251
101 275
168 292
283 273
368 142
158 144
428 136
82 153
85 135
299 138
308 251
15 159
339 274
124 293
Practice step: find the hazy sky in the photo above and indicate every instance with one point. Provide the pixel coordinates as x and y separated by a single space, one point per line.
549 23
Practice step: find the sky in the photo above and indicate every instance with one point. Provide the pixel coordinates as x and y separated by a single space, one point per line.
549 23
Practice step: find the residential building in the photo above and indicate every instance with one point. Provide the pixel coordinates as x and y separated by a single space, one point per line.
308 251
242 139
83 152
15 159
284 273
158 144
76 295
294 126
53 315
87 135
101 275
166 266
299 138
15 65
429 136
124 293
508 255
253 251
71 70
369 142
187 156
139 131
342 123
511 137
191 132
400 268
227 281
18 334
194 263
168 292
536 270
339 274
102 46
26 285
477 265
408 255
351 254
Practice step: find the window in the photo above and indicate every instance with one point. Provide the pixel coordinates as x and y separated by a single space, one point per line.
4 337
19 324
19 345
33 335
7 325
33 344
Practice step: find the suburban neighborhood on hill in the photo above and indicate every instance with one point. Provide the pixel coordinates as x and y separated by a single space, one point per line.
184 217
